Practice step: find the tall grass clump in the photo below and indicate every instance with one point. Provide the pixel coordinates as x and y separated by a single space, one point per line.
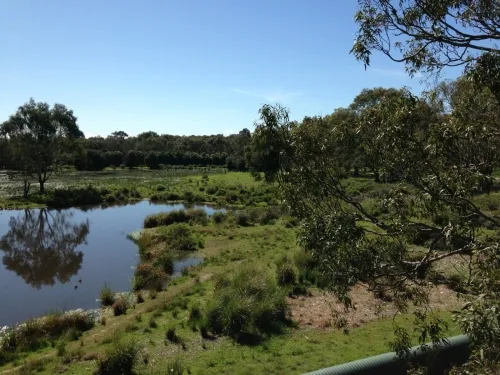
286 271
35 333
197 216
308 269
193 215
120 306
219 217
166 218
269 215
106 296
148 276
119 359
241 218
195 316
180 237
247 305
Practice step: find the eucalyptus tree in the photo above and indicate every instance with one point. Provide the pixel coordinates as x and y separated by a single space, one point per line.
40 137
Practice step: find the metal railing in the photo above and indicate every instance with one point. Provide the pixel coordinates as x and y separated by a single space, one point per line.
454 351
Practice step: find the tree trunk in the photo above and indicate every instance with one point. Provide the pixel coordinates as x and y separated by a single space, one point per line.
41 181
26 188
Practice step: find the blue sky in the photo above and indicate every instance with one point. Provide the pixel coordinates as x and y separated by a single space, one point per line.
183 66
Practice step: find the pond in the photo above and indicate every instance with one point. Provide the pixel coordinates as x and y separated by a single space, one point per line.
60 259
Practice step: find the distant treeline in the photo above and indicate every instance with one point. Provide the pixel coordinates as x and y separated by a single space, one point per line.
152 150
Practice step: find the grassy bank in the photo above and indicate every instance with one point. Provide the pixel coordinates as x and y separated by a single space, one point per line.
180 327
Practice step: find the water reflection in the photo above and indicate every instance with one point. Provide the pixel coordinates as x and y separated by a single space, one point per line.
40 246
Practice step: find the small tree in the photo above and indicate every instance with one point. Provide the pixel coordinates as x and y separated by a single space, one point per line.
152 160
133 159
39 136
113 158
95 160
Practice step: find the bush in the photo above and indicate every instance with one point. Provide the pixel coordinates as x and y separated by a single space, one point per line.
195 215
140 297
286 271
308 271
61 349
173 197
198 216
269 216
120 359
211 190
241 218
188 196
148 275
290 221
153 293
247 304
172 336
166 218
106 296
180 237
120 306
166 262
62 198
219 217
195 315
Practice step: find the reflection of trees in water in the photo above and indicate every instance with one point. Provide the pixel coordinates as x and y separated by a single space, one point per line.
40 246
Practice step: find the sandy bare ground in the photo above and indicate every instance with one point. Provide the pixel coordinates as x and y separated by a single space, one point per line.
322 309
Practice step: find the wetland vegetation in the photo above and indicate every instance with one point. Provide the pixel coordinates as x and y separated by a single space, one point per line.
333 238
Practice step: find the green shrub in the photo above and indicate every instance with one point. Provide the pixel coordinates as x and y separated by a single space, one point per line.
106 296
188 196
73 197
307 267
270 215
119 306
61 349
140 297
152 322
173 197
241 218
148 276
219 217
166 262
119 359
153 294
197 215
290 221
166 218
211 190
172 336
180 237
286 271
247 305
195 315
